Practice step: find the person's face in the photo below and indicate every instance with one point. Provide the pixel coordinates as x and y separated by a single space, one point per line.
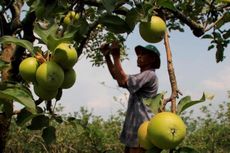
144 59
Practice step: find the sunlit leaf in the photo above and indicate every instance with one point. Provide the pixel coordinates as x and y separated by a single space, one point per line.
44 33
20 42
49 135
187 102
154 103
20 95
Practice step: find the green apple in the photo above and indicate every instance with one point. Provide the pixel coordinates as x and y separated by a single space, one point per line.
43 93
50 75
69 17
65 55
166 130
28 68
142 136
153 31
69 79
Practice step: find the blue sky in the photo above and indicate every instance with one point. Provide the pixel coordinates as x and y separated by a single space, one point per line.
195 68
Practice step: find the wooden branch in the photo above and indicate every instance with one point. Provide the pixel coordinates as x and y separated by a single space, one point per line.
83 42
172 76
198 30
16 11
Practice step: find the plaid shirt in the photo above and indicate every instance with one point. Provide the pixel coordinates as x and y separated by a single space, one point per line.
142 85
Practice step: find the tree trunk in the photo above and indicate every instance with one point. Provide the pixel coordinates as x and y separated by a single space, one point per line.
5 118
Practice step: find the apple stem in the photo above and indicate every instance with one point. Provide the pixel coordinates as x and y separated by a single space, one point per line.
172 77
40 58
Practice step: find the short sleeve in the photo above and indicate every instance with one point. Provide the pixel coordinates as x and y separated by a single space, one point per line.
135 82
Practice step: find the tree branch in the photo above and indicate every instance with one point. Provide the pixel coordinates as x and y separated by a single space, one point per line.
198 30
172 76
83 42
16 11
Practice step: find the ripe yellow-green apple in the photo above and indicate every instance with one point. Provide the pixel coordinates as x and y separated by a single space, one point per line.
44 93
69 17
65 55
28 68
166 130
76 17
154 30
69 79
142 136
50 75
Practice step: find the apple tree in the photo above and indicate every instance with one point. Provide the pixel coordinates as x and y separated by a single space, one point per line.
35 28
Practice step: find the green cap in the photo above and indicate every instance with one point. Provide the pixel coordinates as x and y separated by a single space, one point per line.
150 48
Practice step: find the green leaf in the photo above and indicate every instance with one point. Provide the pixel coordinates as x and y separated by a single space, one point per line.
53 41
58 119
39 122
132 18
23 43
166 4
43 33
49 135
23 117
20 95
114 24
207 36
109 5
225 19
226 35
186 102
154 103
3 64
186 150
211 47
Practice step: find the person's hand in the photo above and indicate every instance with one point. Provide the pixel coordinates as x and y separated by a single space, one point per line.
115 49
105 49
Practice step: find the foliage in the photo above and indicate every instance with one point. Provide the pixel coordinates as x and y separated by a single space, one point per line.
84 132
209 133
32 27
79 132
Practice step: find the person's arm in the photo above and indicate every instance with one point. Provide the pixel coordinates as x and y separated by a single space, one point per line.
106 52
110 66
120 75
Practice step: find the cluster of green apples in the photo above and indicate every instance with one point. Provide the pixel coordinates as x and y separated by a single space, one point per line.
53 74
165 130
71 18
153 31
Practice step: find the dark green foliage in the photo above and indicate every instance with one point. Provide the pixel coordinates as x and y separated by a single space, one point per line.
83 132
209 133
